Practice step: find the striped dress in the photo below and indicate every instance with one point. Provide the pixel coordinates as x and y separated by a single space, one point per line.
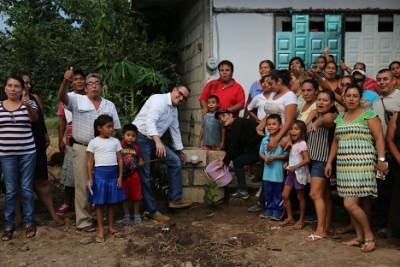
356 157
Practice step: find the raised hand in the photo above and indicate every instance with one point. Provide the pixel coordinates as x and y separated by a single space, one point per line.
69 74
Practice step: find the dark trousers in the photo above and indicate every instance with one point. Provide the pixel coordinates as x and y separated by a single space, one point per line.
248 157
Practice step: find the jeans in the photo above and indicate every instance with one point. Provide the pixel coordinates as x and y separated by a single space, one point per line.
147 149
18 172
273 197
250 156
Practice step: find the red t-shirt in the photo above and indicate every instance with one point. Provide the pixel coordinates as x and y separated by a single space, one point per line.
61 112
370 84
228 96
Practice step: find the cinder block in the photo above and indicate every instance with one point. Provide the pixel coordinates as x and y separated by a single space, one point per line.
194 194
185 177
213 155
200 178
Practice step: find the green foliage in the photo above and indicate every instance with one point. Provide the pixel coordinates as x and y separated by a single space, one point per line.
212 193
46 37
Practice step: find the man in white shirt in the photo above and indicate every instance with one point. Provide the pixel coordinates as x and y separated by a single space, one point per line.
85 109
387 104
159 114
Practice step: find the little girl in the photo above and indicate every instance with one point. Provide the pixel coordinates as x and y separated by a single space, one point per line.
298 173
320 66
105 182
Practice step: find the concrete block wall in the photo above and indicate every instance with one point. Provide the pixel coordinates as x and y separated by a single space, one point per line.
195 181
193 34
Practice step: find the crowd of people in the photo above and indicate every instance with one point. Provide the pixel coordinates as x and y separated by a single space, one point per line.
307 130
98 169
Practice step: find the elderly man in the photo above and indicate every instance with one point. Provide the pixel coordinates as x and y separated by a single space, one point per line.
85 109
159 114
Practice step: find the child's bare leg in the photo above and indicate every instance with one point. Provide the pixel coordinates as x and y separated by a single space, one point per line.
288 206
99 216
302 202
125 207
110 218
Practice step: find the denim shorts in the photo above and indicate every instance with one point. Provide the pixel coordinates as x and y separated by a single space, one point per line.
317 169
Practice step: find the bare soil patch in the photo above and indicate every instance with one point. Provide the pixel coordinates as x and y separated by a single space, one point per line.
226 235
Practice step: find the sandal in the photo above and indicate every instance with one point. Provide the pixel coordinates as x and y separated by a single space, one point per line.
8 234
116 234
88 229
365 248
353 242
299 226
287 223
30 231
99 239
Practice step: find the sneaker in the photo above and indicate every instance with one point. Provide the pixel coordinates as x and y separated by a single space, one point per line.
63 209
127 219
277 217
257 207
310 218
180 204
265 216
241 194
137 218
159 217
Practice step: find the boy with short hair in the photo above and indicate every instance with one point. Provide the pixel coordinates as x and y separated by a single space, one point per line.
212 134
131 180
273 171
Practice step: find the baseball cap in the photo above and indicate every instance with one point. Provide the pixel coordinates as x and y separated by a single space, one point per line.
221 111
358 71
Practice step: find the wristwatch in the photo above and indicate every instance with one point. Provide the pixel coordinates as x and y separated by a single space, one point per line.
382 159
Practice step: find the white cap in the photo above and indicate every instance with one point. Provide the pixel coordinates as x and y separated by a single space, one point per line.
358 71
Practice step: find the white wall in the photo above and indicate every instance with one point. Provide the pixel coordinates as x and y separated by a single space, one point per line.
315 4
244 39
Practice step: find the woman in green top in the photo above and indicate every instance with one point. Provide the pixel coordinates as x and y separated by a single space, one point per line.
358 139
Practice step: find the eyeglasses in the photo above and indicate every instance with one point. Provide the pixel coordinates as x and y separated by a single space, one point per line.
12 117
360 80
89 84
182 95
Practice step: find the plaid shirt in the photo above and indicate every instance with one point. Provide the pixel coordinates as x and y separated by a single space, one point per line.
82 128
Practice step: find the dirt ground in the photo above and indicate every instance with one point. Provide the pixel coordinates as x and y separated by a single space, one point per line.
226 235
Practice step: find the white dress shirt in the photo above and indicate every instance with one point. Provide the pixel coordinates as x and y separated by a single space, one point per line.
156 116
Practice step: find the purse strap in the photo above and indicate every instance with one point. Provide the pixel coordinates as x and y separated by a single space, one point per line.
383 104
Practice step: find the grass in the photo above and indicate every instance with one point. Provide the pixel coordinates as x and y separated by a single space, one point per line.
52 126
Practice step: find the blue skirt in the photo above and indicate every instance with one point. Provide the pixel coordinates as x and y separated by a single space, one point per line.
105 190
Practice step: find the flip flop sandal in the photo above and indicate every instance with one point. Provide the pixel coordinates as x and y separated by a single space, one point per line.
99 239
116 234
299 226
285 223
313 238
8 234
30 231
366 242
87 229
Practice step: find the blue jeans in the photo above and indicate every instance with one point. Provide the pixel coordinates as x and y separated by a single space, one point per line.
248 157
173 162
273 197
18 172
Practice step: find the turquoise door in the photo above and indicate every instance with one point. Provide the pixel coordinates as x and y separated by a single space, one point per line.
308 45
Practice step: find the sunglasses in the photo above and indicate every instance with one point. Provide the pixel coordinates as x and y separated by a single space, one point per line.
359 80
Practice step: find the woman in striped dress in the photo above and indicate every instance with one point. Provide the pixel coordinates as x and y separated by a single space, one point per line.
17 154
358 139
